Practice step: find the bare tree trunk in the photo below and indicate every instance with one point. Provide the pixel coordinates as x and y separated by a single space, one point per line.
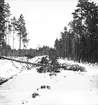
13 42
20 46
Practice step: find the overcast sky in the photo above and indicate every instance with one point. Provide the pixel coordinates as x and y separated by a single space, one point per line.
45 19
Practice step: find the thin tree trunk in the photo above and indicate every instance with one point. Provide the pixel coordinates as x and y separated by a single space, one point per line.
13 42
20 46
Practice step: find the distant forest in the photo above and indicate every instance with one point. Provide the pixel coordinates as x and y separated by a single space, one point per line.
79 40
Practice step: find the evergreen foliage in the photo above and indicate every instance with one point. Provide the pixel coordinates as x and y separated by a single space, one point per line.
80 42
4 24
22 32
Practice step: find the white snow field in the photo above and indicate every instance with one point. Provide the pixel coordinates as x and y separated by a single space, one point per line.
66 88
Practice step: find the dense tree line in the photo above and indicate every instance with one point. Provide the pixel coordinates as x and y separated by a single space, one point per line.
80 41
30 53
10 25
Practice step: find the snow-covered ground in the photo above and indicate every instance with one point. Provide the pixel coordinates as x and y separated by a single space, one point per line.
8 68
67 87
90 68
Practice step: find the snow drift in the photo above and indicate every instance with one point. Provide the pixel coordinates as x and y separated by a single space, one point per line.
32 88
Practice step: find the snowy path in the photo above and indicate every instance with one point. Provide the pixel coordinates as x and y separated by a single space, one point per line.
67 87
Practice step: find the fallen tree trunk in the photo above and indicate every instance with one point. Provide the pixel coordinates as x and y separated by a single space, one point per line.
26 62
5 80
30 63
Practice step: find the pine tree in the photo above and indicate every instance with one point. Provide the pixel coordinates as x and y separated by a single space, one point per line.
1 24
14 29
7 27
82 36
22 32
84 25
64 45
7 15
4 20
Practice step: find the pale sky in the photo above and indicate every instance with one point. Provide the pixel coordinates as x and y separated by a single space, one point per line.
45 19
